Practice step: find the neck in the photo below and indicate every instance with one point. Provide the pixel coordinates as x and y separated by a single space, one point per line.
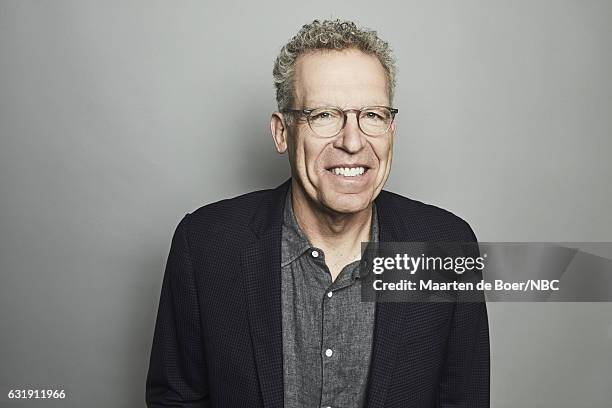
339 233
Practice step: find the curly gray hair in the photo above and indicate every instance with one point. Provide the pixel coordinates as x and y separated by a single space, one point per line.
328 35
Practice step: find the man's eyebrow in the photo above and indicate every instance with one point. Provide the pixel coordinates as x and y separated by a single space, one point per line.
352 106
322 102
316 103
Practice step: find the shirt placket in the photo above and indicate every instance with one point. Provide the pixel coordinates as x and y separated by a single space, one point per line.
330 341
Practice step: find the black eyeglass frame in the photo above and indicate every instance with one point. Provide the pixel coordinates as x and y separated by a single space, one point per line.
308 112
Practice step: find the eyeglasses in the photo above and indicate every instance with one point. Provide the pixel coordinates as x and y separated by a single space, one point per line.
329 121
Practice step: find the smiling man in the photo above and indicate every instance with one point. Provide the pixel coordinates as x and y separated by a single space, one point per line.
261 300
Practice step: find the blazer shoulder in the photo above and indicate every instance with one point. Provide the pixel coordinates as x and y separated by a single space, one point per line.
224 218
415 214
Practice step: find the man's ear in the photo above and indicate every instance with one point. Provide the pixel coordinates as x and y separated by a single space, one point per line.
279 130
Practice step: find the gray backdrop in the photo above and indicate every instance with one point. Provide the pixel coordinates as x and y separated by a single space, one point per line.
111 129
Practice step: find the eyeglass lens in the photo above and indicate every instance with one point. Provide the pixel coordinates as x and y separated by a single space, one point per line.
328 122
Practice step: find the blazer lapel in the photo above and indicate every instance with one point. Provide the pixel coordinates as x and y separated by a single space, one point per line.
388 322
261 266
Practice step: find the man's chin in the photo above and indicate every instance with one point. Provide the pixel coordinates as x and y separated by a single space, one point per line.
347 203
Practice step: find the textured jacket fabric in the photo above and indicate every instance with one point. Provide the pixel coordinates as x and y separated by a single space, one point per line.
218 339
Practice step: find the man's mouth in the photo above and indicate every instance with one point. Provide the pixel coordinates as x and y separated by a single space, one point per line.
349 171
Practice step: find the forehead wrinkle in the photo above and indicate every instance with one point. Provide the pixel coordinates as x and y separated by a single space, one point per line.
315 84
345 97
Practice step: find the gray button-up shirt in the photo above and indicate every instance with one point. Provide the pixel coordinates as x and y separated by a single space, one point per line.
327 329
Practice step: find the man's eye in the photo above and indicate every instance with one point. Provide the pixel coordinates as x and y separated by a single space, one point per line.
373 115
376 116
323 116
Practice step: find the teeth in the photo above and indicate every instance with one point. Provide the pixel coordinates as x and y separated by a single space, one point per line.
348 171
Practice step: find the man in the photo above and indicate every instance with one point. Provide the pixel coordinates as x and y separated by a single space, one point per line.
260 303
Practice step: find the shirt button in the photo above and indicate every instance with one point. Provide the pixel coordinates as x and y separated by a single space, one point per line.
329 352
315 254
329 294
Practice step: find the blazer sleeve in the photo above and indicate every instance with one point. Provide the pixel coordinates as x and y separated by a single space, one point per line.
177 370
465 381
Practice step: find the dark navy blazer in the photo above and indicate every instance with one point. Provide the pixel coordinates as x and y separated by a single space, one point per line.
218 340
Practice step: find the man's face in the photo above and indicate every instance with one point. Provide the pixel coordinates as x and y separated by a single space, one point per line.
348 79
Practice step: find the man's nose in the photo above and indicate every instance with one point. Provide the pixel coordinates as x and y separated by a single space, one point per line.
350 139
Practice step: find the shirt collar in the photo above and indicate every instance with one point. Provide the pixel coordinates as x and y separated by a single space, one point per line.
294 242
